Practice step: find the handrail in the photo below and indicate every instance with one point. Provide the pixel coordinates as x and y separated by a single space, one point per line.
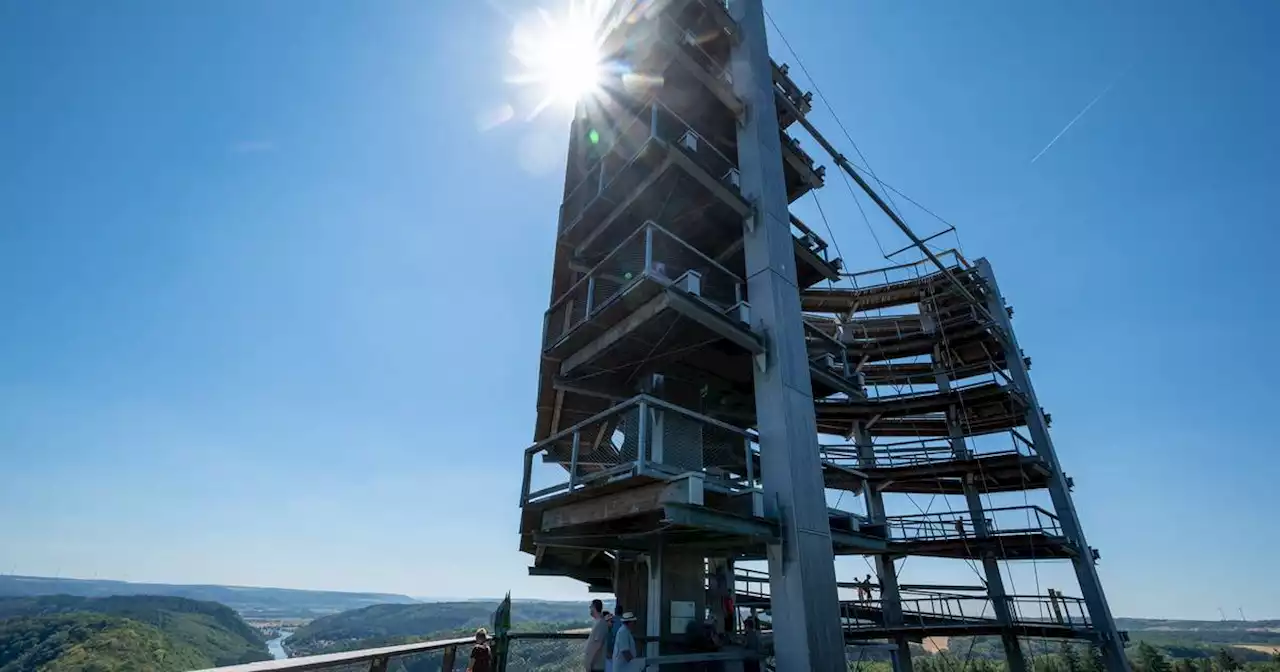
714 264
612 410
655 111
953 514
954 609
922 454
649 252
725 459
625 125
950 252
568 293
895 267
924 394
325 660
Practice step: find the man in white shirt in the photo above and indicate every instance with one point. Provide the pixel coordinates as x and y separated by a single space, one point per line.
626 656
593 658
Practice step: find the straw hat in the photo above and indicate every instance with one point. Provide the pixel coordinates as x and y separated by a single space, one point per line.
628 617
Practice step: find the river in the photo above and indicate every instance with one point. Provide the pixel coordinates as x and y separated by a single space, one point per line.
276 646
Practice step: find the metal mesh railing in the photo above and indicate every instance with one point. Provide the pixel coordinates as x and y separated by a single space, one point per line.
672 258
598 448
650 252
977 377
621 268
920 452
621 148
616 146
696 146
641 434
545 655
951 525
691 43
925 609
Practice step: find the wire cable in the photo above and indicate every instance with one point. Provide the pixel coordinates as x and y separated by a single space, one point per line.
817 89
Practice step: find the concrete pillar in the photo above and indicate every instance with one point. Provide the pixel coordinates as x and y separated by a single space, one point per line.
806 608
1086 573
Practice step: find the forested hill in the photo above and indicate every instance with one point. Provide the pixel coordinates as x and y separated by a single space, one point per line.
135 632
251 602
386 624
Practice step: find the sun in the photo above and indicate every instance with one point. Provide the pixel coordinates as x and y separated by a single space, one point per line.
560 54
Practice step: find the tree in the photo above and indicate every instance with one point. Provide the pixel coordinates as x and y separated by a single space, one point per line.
1204 665
1225 662
1045 663
1093 659
1183 665
1151 660
1070 658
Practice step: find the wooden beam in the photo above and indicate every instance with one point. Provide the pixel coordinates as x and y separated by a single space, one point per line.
615 333
638 500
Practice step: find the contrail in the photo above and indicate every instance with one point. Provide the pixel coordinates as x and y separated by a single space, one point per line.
1083 112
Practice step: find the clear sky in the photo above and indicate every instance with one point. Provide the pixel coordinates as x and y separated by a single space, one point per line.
272 275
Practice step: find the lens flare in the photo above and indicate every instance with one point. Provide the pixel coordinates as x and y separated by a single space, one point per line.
559 54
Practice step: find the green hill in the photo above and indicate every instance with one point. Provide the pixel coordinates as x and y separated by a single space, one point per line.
251 602
75 627
83 641
386 624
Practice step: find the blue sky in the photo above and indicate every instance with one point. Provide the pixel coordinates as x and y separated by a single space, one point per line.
272 282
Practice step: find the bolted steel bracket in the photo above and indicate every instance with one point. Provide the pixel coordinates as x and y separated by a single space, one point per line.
762 360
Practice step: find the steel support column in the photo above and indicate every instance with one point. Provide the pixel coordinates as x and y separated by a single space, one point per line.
991 569
1100 616
890 593
806 608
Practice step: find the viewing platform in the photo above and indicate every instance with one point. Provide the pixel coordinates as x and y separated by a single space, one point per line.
984 407
945 615
936 611
897 286
1013 533
647 468
655 152
925 466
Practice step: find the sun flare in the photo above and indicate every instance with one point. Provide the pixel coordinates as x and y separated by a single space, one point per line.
559 54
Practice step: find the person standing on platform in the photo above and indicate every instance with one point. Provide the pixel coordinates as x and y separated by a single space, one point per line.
595 654
481 656
609 639
751 642
626 657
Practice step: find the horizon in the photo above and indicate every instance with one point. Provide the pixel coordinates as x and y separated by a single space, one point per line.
273 279
515 599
